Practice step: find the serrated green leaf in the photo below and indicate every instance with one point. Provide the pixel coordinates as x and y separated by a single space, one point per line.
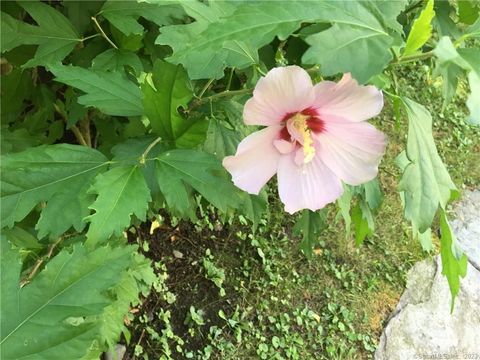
53 317
54 34
205 48
116 60
310 225
171 90
334 48
122 192
454 263
421 30
425 239
221 141
110 92
45 173
197 169
425 182
124 15
74 206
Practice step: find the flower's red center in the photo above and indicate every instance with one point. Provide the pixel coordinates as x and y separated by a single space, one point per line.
311 119
299 128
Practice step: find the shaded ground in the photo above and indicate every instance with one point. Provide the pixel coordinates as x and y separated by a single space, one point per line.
277 304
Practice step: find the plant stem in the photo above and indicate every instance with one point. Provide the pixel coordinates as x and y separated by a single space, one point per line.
410 58
90 37
147 150
103 32
223 94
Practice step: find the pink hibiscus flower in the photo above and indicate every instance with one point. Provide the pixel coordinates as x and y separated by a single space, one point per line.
316 137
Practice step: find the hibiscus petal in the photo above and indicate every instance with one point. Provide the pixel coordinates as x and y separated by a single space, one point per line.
256 160
308 186
351 150
347 99
282 91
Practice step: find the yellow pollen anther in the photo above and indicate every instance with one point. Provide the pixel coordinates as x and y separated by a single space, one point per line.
300 123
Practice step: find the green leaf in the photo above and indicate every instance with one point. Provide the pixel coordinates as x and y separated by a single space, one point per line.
116 60
138 279
197 169
212 43
171 90
421 30
221 141
373 194
19 140
425 239
450 63
310 225
22 239
48 173
426 183
16 88
54 34
443 21
254 206
473 101
468 11
124 14
122 192
363 222
344 203
335 48
53 316
110 92
454 263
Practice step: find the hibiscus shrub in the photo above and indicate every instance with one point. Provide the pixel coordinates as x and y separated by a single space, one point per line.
114 110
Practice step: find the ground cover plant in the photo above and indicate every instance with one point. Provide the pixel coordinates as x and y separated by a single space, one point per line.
120 220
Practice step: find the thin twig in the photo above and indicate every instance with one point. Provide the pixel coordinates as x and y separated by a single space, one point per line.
147 150
103 32
86 130
39 263
76 131
205 88
229 83
78 134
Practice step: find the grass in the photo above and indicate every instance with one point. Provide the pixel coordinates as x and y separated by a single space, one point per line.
225 292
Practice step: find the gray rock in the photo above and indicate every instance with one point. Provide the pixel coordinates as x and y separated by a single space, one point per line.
115 354
422 326
466 225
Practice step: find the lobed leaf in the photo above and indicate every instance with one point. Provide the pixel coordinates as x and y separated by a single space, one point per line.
54 34
421 30
425 182
454 263
199 170
207 46
110 92
51 173
122 192
53 316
